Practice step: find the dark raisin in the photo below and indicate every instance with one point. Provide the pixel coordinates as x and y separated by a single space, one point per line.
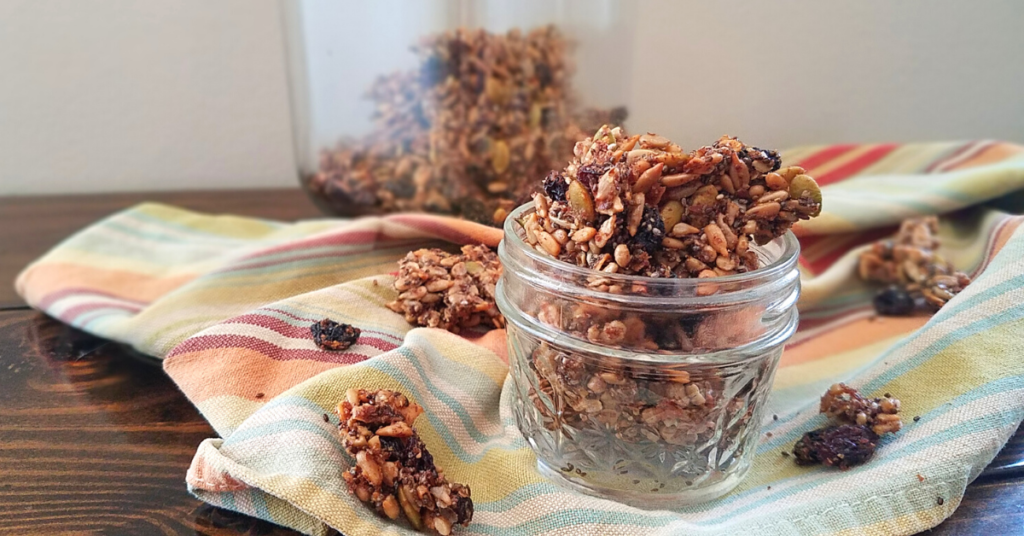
462 504
894 301
433 70
843 446
401 187
543 73
589 174
473 209
940 501
555 186
330 335
650 232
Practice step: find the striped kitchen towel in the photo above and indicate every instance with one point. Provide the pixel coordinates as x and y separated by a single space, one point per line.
227 302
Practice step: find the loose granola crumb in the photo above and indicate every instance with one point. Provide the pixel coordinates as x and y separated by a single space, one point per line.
846 404
448 291
260 395
394 471
330 335
909 262
326 418
920 478
843 446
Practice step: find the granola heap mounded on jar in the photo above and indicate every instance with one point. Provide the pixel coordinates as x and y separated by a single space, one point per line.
453 292
393 470
909 262
466 133
640 205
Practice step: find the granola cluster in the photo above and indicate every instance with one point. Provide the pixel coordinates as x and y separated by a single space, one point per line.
852 442
448 291
844 403
393 470
910 264
468 132
640 205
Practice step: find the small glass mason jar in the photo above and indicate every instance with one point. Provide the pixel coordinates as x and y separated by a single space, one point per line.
643 390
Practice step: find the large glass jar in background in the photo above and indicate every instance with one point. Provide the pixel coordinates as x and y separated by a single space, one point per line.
648 391
448 106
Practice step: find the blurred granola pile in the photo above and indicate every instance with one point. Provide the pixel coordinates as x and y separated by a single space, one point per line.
908 262
470 132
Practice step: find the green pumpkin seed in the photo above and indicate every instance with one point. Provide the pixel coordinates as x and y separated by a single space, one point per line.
580 201
804 183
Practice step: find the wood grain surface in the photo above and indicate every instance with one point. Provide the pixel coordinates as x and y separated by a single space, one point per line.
96 440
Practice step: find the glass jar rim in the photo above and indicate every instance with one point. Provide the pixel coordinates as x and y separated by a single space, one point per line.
747 351
674 291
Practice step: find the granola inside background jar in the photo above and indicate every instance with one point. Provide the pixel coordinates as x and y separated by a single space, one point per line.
449 106
648 391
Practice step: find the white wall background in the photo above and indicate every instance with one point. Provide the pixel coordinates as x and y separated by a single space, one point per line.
117 95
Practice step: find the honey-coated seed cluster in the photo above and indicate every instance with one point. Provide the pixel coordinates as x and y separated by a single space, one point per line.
394 471
641 205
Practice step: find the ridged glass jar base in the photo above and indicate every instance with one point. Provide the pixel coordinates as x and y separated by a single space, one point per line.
649 439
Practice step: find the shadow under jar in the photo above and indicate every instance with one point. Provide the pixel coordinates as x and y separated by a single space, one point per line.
643 390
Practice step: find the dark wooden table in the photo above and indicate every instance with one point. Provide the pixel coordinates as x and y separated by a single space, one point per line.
96 440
